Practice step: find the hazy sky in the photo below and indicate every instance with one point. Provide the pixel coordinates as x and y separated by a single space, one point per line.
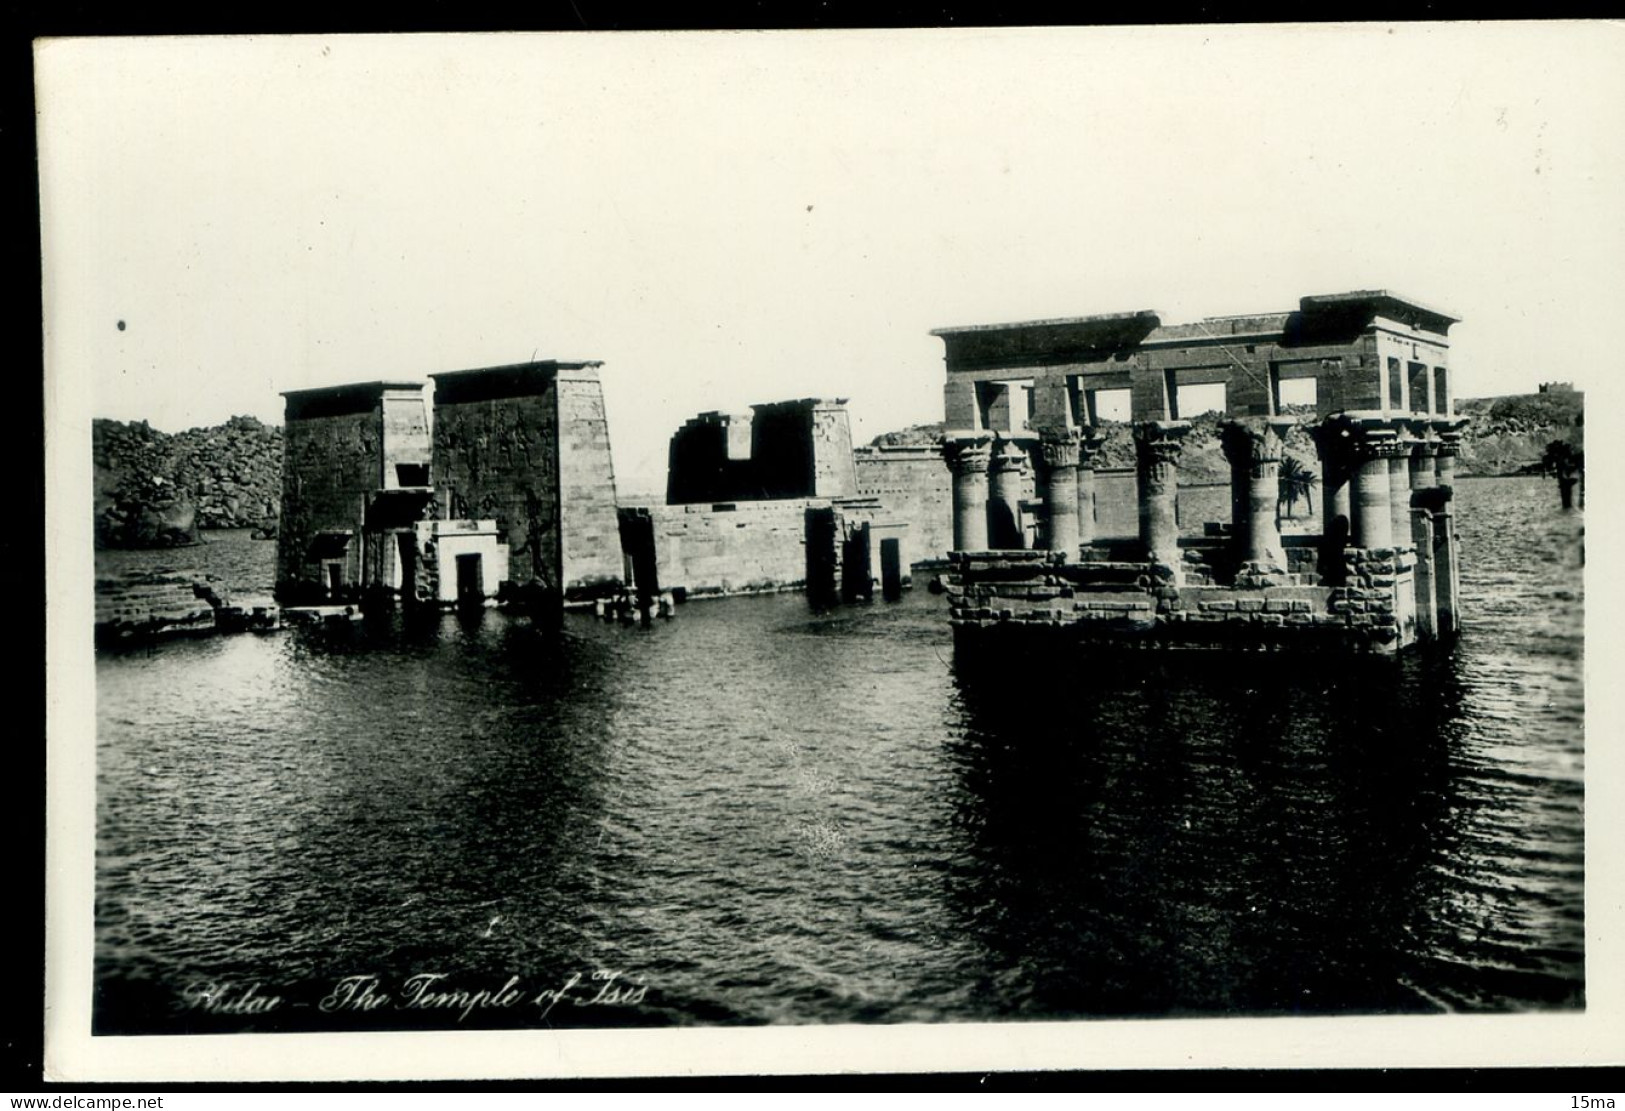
734 218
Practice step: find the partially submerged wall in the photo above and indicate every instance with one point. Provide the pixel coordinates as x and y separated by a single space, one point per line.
591 552
528 447
727 548
339 450
1113 604
916 488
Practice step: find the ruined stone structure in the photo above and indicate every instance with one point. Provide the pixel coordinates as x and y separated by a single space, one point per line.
1023 399
527 446
786 449
515 493
916 490
355 467
761 502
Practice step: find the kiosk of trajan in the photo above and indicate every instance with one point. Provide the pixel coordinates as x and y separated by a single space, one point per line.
1382 572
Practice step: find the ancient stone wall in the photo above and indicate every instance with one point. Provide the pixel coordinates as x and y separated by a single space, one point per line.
330 464
797 449
496 458
730 548
587 504
1112 602
917 488
406 447
833 472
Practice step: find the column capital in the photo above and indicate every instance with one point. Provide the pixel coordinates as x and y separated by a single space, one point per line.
1060 450
1090 441
1008 455
1333 439
1255 440
1448 430
1160 441
967 454
1368 437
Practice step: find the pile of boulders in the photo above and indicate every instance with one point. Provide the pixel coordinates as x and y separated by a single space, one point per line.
154 490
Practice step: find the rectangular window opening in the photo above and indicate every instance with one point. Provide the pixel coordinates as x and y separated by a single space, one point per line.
1189 402
1108 405
1296 395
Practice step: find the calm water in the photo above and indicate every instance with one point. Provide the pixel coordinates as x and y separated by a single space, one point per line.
756 813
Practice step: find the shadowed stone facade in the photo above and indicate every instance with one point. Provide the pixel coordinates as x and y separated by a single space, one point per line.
515 494
528 447
345 447
783 449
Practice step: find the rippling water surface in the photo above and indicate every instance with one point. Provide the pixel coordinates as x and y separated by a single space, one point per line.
758 813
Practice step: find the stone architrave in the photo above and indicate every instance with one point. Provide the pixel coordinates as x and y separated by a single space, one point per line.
1005 472
1058 456
1157 447
967 458
1089 443
1254 447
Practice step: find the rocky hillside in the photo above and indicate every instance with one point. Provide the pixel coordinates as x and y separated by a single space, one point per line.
156 490
1505 435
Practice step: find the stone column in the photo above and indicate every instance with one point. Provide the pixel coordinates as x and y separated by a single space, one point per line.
1088 447
1254 446
1449 432
1424 464
968 458
1446 583
1427 625
1004 496
1399 490
1157 447
1334 445
1372 500
1058 454
1445 461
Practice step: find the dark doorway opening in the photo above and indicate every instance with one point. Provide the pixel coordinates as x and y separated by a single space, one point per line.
470 580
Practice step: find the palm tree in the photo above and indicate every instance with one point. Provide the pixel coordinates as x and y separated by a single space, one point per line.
1296 481
1568 465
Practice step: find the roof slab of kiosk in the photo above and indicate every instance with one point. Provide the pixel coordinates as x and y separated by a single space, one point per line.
1026 398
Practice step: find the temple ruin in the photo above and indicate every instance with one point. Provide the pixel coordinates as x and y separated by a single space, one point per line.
1023 404
761 501
514 493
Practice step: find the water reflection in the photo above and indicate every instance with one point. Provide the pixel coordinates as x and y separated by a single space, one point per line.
775 814
1231 834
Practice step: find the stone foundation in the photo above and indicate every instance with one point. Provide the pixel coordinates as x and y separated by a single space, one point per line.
1147 604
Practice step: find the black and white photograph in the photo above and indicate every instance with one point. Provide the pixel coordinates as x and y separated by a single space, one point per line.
883 550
